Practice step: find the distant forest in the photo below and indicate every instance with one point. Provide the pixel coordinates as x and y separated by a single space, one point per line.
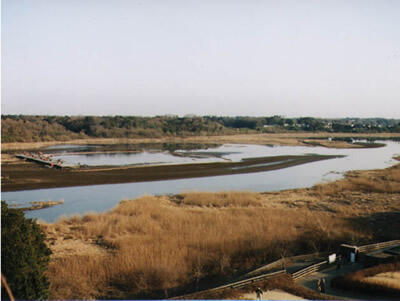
21 128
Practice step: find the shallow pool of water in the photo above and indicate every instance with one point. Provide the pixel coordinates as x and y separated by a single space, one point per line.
157 157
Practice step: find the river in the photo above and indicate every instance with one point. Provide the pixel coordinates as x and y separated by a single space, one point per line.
99 198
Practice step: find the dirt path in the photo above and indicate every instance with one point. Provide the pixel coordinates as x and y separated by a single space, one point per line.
271 295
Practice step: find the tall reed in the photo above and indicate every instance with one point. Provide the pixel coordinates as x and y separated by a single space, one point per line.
153 244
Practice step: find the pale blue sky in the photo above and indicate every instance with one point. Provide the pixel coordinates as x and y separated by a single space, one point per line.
293 58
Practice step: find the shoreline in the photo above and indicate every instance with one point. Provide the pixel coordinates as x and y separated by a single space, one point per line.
19 175
29 176
289 139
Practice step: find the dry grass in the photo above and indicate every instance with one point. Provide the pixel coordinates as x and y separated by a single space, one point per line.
388 279
383 279
330 144
292 139
359 194
153 244
220 199
366 181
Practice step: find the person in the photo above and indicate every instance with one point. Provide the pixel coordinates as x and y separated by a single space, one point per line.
259 293
323 285
319 285
339 263
352 257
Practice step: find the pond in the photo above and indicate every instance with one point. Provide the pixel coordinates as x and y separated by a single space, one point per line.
99 198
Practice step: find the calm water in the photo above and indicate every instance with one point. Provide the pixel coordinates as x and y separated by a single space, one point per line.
224 152
140 158
97 155
98 198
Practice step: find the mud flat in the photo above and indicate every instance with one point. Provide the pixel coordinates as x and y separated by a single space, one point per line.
41 205
23 176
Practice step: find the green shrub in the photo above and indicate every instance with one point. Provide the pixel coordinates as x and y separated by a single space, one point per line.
24 255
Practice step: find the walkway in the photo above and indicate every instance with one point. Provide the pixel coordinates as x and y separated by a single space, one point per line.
329 273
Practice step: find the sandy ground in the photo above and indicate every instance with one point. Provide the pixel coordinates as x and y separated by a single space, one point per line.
271 295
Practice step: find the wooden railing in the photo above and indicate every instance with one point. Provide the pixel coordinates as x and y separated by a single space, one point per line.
281 262
310 269
233 285
378 246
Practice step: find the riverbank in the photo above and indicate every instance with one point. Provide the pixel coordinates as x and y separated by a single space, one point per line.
290 139
20 175
27 175
155 246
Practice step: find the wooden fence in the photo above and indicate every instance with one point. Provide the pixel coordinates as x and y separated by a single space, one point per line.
283 263
310 269
233 285
378 246
362 249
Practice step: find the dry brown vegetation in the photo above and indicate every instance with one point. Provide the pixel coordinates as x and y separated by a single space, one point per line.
154 244
366 181
165 245
220 199
388 279
293 139
383 279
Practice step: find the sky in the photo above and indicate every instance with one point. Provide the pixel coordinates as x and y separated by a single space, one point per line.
206 57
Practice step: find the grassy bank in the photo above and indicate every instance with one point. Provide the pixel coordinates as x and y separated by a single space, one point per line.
159 246
380 280
292 139
152 244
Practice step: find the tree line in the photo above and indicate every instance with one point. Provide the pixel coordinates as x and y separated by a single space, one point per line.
27 128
